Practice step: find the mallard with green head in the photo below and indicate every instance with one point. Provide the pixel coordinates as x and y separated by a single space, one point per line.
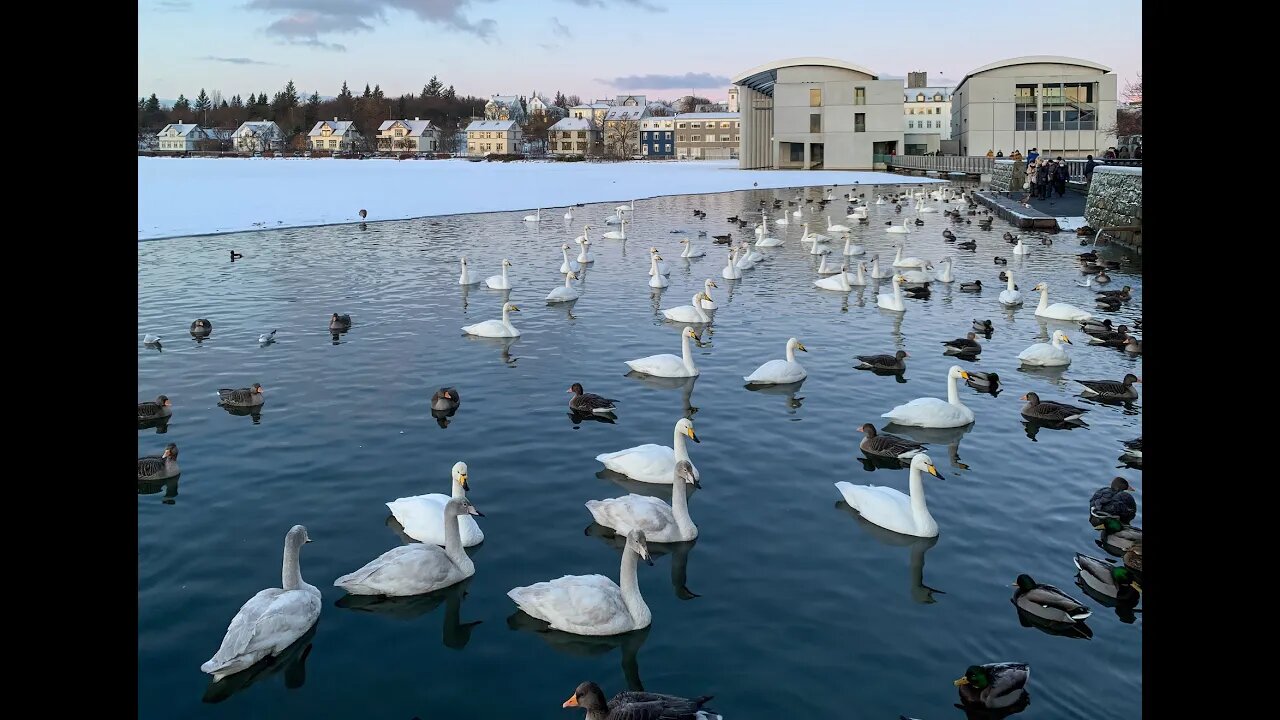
994 685
1115 581
1047 601
1119 536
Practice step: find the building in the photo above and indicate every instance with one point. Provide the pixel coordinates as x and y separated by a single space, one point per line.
708 136
180 137
621 126
416 135
732 104
927 115
257 135
538 105
572 136
657 137
811 113
594 112
505 107
1059 105
493 137
334 135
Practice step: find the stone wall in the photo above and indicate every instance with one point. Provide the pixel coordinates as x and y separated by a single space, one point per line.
1008 175
1115 198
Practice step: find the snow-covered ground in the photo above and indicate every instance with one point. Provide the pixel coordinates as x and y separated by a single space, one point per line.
195 196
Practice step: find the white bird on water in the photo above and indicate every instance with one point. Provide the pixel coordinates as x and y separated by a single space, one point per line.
267 338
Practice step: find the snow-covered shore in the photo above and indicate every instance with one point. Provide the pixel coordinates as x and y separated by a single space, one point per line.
195 196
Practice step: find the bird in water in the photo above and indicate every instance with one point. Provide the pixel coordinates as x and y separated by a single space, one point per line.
446 398
894 362
236 256
975 286
1052 412
363 213
586 403
993 686
339 322
638 705
987 382
161 408
1114 501
267 338
201 328
159 467
890 447
966 346
241 397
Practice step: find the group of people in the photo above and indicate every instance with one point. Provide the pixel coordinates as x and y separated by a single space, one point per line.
1124 152
1045 175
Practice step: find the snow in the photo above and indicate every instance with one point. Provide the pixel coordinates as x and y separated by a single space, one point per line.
1070 223
1122 169
200 196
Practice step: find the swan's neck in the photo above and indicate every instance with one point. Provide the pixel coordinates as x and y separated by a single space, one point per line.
1056 342
844 280
453 543
630 586
847 240
504 275
506 317
953 393
458 492
568 282
791 349
822 267
1044 299
897 290
697 308
680 507
565 251
686 354
291 573
733 252
1010 276
706 290
919 510
897 257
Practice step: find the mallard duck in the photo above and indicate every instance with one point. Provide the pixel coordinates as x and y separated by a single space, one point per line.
161 408
975 286
241 397
638 705
967 346
1123 293
587 403
967 245
983 381
1133 558
887 446
994 685
1114 501
446 398
1118 534
159 467
1052 412
916 291
1092 326
1110 580
1001 261
340 322
950 236
201 328
883 362
1101 333
983 326
1110 389
1047 601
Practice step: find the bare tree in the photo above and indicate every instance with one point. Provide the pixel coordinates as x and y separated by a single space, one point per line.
621 138
448 139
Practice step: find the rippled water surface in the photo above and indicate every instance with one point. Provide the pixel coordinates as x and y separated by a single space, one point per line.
802 609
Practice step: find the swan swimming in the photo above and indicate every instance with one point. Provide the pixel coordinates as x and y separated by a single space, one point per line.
652 463
1048 355
691 313
500 282
781 372
467 277
667 365
417 568
421 515
1056 311
496 328
566 292
932 412
660 522
889 508
1010 296
893 301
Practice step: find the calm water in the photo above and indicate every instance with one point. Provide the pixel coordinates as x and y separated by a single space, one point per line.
803 609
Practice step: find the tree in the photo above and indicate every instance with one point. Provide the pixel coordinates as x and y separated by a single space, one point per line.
449 94
689 103
377 91
153 104
367 92
448 138
345 103
571 101
182 105
560 101
433 88
1128 120
621 138
659 111
202 102
236 102
536 127
524 106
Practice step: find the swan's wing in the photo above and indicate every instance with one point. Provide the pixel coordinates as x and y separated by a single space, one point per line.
403 570
647 460
655 362
422 516
768 371
582 601
633 511
269 622
881 505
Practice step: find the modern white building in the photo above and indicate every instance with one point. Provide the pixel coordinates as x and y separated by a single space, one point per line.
812 113
927 118
1059 105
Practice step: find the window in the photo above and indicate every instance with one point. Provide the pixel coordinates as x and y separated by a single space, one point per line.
1052 120
582 134
736 138
815 97
695 126
1024 119
668 147
724 138
911 111
683 125
737 125
860 96
937 97
695 138
919 97
815 122
644 150
668 136
399 132
859 122
911 124
1024 111
724 124
797 152
681 138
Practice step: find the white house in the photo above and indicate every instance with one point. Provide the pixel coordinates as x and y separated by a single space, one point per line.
538 105
927 118
180 137
416 135
572 136
504 107
336 135
594 112
257 135
493 137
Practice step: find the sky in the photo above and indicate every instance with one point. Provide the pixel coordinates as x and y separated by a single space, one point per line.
599 48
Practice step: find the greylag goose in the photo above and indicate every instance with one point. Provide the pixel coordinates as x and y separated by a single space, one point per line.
1047 602
1114 501
161 408
967 346
201 328
988 382
1050 411
638 705
887 446
587 403
340 322
883 362
241 397
159 467
995 685
446 398
1110 389
1134 346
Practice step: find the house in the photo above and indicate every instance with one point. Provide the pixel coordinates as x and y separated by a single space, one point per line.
416 135
505 107
594 112
732 104
489 137
336 135
257 135
927 115
621 127
180 137
657 138
708 136
572 136
539 105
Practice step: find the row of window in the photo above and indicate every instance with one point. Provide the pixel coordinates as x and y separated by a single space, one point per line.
925 111
1054 93
924 124
486 147
698 126
320 144
859 122
569 133
1056 120
486 135
859 96
937 97
568 146
645 150
709 138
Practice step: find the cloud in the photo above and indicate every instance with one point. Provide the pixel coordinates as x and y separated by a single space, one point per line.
235 60
644 4
173 5
560 28
668 82
303 22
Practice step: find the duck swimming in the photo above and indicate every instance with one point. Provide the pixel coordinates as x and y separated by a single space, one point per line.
1114 501
1051 412
895 362
1110 389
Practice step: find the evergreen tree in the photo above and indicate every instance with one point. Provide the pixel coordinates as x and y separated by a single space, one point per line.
142 104
433 88
153 104
236 102
377 92
524 106
202 101
262 99
344 93
449 94
560 101
367 92
182 104
224 105
290 95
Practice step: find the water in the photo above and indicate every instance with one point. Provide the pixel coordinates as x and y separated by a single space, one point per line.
804 609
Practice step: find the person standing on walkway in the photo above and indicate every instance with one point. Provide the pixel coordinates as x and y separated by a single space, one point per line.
991 153
1089 165
1060 179
1137 152
1124 152
1042 180
1030 184
1000 154
1031 156
1015 155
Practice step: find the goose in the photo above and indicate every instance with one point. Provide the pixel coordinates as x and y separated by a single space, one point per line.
1011 296
1056 311
895 362
660 522
1110 389
893 301
838 281
587 403
908 262
975 286
568 214
967 245
1115 581
467 277
569 264
446 398
201 328
900 229
161 467
241 397
807 236
948 235
889 447
501 282
781 372
584 252
418 568
691 313
689 251
983 326
966 346
1118 537
889 508
1052 412
1020 249
272 619
667 365
987 382
339 322
1114 501
1134 346
150 339
1046 354
591 604
534 218
639 705
1047 602
566 292
731 271
876 272
656 278
708 304
851 248
652 463
617 234
496 328
267 338
945 276
836 228
933 412
161 408
422 515
994 685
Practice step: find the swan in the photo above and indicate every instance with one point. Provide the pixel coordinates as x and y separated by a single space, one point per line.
707 303
880 200
692 313
876 272
945 276
1010 296
467 277
781 372
782 219
614 219
422 515
899 229
838 282
819 248
852 249
768 242
568 214
660 522
763 228
1019 249
836 228
617 234
796 214
918 276
935 413
656 278
1056 311
591 604
807 236
922 208
893 301
889 508
825 269
907 262
689 251
534 218
731 271
500 282
1046 355
663 268
496 328
667 365
859 279
569 264
653 463
859 213
272 619
583 236
567 292
584 253
417 568
626 208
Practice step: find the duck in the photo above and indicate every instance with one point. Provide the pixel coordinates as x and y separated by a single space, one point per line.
987 382
271 620
1102 277
634 705
731 271
967 245
446 398
534 218
159 467
1050 411
417 568
1118 536
966 346
566 292
236 256
652 463
591 604
838 281
1046 354
586 403
893 301
1100 326
892 510
656 278
150 339
1134 346
1133 558
722 239
1057 311
201 328
934 412
468 277
1114 581
496 328
1011 296
908 262
241 397
660 522
919 222
975 286
1001 261
1047 602
902 229
1110 389
161 408
708 304
894 363
1010 237
781 372
689 251
691 313
983 326
422 515
1114 501
1123 293
918 291
569 264
945 276
889 447
502 282
1020 249
667 365
339 322
948 235
995 685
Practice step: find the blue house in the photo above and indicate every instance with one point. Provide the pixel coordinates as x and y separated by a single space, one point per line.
657 137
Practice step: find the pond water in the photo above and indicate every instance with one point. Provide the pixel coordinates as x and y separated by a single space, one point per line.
787 605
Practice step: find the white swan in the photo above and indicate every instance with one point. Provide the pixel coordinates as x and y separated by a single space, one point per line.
568 214
653 463
838 282
614 219
782 219
731 271
667 365
467 277
933 412
692 313
825 269
771 242
271 620
859 213
892 510
534 218
689 251
860 278
663 267
1019 249
850 248
893 301
836 228
591 604
569 264
796 214
660 522
626 208
1047 355
422 518
876 272
807 236
707 303
745 259
1010 296
566 292
583 236
656 278
920 276
945 276
922 208
900 229
763 228
1056 311
417 568
907 262
617 234
496 328
500 282
781 372
880 200
584 252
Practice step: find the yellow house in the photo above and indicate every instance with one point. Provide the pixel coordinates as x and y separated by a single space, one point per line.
416 135
336 135
493 137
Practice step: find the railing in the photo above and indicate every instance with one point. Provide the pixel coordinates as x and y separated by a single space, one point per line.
943 163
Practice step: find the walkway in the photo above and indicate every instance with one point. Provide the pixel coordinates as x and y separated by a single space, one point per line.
1060 213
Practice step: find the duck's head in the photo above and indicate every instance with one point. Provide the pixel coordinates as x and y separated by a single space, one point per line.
636 544
924 463
257 388
1121 576
1024 582
589 697
462 506
976 676
460 475
972 335
685 427
164 401
684 473
868 429
902 354
1130 378
575 388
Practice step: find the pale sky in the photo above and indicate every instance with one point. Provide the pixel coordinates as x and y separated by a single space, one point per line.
600 48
